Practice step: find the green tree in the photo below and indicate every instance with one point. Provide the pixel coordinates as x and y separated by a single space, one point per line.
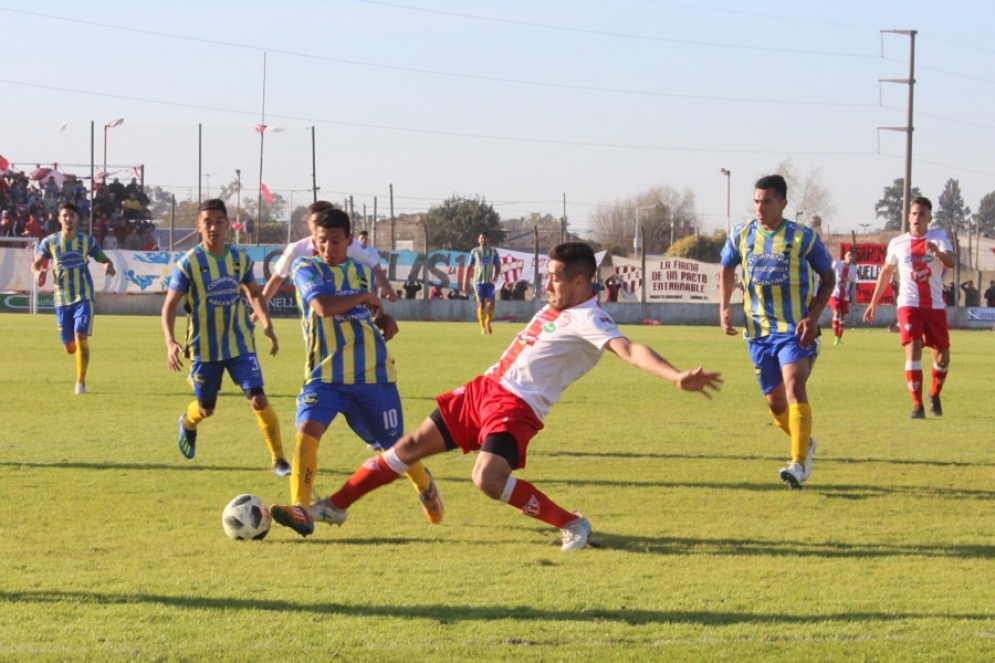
984 218
707 248
889 207
457 222
951 213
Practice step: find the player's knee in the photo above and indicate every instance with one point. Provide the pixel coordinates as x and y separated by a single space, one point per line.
257 398
70 348
488 482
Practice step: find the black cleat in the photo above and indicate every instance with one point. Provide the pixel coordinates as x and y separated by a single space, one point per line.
918 412
935 407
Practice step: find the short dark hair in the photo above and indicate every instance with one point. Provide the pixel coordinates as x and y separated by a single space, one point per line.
922 201
213 205
775 182
364 233
577 258
69 206
327 215
483 233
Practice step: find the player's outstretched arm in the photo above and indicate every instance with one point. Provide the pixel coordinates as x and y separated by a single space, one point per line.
644 357
386 289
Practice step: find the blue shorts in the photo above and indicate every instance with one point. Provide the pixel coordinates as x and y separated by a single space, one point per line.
373 411
772 352
484 291
244 371
74 319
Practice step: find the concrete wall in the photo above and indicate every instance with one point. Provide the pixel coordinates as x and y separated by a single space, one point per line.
465 310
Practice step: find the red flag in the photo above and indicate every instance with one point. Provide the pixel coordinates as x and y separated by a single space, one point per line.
4 164
266 194
260 128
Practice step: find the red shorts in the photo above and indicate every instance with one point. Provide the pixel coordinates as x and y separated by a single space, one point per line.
841 306
482 407
926 324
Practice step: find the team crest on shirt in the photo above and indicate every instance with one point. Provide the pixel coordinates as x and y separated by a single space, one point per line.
564 320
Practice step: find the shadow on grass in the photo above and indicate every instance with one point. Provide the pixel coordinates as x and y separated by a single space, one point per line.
762 547
446 614
777 458
144 467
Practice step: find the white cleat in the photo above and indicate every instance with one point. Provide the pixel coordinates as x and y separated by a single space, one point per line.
793 475
323 511
80 388
807 467
575 533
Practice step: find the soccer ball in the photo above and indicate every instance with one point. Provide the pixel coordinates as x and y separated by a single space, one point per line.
246 517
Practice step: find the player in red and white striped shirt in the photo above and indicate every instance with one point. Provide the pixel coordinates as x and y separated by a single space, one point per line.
920 257
498 413
846 284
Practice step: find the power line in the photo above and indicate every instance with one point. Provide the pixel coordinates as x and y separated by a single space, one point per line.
620 35
433 72
437 132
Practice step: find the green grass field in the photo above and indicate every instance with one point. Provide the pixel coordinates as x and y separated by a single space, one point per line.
112 549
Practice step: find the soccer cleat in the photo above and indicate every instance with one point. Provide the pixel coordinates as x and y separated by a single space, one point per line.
918 413
837 341
80 388
793 475
281 468
325 512
575 533
935 407
431 501
297 518
187 439
807 467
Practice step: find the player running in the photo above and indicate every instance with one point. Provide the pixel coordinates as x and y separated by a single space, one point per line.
70 251
484 269
209 280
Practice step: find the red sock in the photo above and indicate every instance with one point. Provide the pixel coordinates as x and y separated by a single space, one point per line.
371 475
836 327
532 502
914 377
841 325
939 377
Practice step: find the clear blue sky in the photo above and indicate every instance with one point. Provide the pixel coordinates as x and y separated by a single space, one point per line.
518 101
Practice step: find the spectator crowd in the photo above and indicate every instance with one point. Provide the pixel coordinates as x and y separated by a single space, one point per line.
121 217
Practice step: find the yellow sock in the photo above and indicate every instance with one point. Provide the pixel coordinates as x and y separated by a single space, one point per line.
800 415
82 359
782 421
482 317
270 426
194 416
419 477
305 467
488 315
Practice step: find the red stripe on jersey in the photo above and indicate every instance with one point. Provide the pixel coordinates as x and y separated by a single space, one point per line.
921 272
526 338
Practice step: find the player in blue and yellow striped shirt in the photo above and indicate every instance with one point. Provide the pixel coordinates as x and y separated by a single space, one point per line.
70 250
209 280
780 261
348 369
484 268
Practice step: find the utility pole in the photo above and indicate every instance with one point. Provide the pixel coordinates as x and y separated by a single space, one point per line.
908 128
